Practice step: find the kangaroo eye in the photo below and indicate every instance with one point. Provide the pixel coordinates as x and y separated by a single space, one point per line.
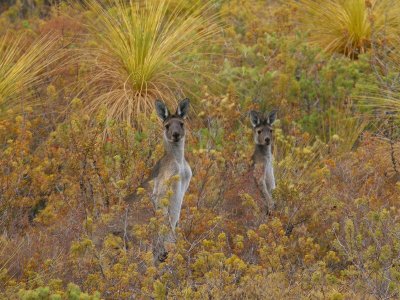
270 130
181 124
167 126
259 131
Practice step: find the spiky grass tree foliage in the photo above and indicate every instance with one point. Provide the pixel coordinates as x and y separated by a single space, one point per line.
22 68
350 26
384 95
383 100
143 50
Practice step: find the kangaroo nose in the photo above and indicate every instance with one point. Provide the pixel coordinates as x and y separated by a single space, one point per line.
267 140
175 135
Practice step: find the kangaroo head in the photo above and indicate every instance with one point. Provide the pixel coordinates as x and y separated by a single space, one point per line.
262 126
174 126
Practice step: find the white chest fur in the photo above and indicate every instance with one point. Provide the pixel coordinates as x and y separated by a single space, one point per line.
175 177
269 174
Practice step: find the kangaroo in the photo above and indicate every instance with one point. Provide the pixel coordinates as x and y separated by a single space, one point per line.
172 164
259 180
262 158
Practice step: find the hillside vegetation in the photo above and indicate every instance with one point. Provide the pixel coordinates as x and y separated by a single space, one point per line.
78 133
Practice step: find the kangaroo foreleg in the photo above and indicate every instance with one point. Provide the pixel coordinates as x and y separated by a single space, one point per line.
269 201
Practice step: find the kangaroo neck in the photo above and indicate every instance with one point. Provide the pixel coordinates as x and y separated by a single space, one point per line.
175 150
262 154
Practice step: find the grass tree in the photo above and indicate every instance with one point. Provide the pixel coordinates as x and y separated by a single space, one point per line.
22 67
143 50
349 26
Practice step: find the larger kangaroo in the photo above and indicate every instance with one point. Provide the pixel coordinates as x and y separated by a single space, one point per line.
172 164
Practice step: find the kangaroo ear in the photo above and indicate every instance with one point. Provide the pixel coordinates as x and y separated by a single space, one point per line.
162 110
183 108
272 116
254 118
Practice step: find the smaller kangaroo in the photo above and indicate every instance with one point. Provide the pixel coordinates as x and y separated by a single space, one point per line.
257 180
172 164
262 156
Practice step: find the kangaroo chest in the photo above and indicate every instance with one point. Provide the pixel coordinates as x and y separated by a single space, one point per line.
173 176
176 169
185 173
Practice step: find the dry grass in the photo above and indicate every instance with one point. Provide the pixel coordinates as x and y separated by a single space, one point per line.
143 51
350 26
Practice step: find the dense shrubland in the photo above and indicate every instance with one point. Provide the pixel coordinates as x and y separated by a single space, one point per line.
78 133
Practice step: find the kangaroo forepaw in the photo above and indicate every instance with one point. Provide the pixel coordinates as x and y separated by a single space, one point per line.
270 209
163 256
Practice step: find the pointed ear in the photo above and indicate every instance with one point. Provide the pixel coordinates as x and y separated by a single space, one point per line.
162 110
254 118
183 108
272 116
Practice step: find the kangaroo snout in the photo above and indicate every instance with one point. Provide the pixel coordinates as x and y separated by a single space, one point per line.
176 135
267 140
